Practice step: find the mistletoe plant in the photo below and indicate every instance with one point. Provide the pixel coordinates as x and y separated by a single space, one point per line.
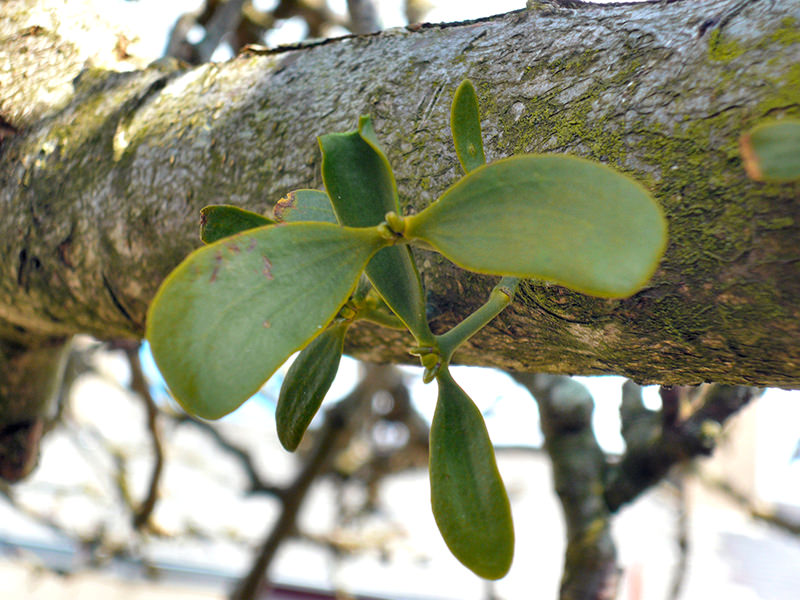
262 289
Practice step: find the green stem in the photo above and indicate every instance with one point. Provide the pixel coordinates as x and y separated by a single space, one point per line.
381 317
501 296
362 290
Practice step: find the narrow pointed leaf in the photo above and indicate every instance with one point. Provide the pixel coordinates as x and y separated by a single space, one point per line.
304 205
560 218
367 133
228 316
362 189
771 151
222 220
468 497
306 383
465 124
358 177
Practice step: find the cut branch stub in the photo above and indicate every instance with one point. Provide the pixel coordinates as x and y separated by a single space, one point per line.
362 189
234 311
468 497
559 218
306 383
465 124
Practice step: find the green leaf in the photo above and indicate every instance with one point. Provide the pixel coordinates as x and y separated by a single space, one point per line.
222 220
231 313
306 383
358 177
465 123
305 205
362 189
468 497
560 218
771 151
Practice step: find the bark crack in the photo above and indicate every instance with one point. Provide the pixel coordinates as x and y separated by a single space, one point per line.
115 300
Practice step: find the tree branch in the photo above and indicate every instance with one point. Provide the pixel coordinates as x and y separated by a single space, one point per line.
335 432
591 489
140 386
653 448
245 458
661 90
565 412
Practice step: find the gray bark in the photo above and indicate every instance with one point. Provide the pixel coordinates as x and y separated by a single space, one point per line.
101 187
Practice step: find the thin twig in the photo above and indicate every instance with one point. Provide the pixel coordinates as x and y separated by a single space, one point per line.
790 526
257 483
334 434
142 389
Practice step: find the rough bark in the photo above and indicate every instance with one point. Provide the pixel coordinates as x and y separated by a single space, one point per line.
101 187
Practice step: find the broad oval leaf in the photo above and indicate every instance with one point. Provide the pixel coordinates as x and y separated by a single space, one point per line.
465 124
771 151
223 220
231 313
362 189
561 218
305 205
468 497
306 383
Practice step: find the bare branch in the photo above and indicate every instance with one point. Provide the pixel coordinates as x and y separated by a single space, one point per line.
140 386
682 536
245 459
336 430
363 16
225 19
653 448
565 411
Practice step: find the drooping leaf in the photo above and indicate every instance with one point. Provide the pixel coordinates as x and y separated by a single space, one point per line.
234 311
468 497
362 189
560 218
771 151
304 205
222 220
306 383
465 124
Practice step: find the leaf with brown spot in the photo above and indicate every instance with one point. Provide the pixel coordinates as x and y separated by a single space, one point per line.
218 328
304 205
